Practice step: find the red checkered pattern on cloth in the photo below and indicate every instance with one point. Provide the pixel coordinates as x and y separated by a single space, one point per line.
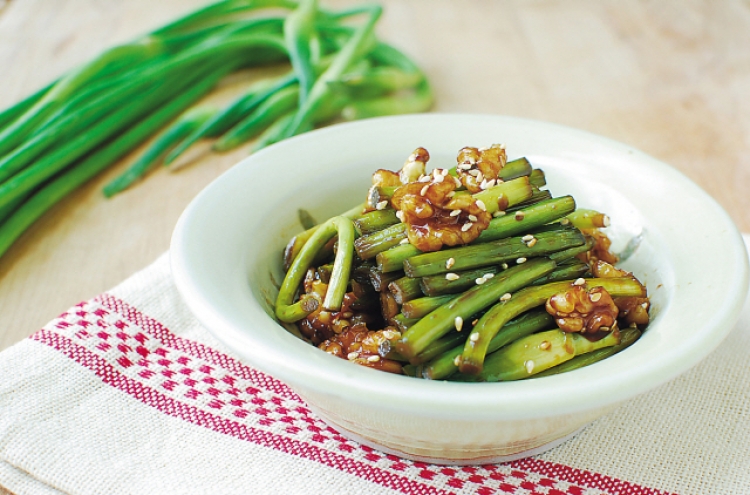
185 379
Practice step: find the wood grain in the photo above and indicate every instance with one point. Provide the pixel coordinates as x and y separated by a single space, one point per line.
671 78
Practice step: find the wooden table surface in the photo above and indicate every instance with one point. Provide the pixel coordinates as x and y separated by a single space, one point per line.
671 78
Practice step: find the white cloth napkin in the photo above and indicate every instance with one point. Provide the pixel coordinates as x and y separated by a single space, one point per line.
127 394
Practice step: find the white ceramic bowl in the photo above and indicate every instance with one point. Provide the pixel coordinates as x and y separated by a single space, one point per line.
226 252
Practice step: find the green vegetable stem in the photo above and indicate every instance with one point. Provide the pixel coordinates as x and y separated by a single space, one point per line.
76 121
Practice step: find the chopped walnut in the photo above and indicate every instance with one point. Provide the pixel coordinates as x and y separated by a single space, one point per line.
365 347
413 169
633 310
432 215
478 168
600 251
385 178
603 269
581 310
320 325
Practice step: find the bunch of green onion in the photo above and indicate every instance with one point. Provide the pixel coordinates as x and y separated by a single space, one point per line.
60 137
466 313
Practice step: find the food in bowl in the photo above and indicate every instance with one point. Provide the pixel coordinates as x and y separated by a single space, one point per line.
469 273
225 262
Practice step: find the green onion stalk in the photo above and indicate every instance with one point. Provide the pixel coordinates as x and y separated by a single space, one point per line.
53 139
286 309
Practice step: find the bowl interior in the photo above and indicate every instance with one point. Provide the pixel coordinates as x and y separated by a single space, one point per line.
227 262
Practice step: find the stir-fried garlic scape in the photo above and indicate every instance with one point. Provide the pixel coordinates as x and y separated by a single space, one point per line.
473 273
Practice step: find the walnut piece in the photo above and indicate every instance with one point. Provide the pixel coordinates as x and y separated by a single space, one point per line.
478 168
413 169
600 251
365 347
321 325
433 218
633 310
580 310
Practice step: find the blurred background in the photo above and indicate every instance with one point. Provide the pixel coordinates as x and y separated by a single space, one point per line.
671 78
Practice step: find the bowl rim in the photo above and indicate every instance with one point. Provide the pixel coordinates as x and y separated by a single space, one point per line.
512 400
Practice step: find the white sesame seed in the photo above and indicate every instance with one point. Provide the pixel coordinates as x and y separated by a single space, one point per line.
579 281
439 178
466 226
506 296
373 359
459 323
444 172
480 280
545 345
389 334
520 215
491 183
455 213
498 213
595 296
480 205
644 305
473 218
504 266
488 275
480 176
381 205
450 263
456 181
520 260
527 238
603 329
529 365
404 241
464 166
451 194
451 276
564 221
400 215
424 190
605 221
457 360
474 337
532 242
352 356
483 148
424 178
474 172
483 185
